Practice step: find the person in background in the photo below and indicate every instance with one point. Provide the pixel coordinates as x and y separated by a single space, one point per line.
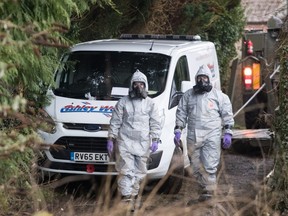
206 111
135 122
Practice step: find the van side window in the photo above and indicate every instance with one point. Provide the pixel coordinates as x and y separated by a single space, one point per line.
181 74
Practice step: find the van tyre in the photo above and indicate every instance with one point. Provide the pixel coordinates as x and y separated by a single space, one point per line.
175 175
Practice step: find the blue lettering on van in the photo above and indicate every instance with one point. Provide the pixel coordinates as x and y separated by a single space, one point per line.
86 108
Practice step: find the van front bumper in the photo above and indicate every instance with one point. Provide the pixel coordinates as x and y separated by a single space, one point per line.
102 169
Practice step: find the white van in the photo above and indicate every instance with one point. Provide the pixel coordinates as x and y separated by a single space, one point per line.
91 78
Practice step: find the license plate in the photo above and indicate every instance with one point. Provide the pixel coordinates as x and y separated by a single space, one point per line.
90 157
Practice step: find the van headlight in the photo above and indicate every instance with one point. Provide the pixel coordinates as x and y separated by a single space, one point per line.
47 124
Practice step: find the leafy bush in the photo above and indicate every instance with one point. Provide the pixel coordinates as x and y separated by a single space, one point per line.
222 24
31 33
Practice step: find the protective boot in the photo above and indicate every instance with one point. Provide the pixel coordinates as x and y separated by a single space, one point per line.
206 195
127 201
137 202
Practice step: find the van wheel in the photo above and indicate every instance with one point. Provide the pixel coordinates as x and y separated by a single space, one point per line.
175 175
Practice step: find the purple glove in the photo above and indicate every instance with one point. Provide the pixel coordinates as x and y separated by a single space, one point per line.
227 140
177 138
154 146
110 147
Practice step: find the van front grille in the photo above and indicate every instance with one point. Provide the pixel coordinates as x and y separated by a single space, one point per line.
63 146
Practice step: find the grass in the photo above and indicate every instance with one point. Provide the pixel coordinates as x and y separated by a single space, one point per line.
241 191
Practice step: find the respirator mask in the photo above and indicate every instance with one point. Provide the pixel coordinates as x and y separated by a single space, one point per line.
138 90
202 84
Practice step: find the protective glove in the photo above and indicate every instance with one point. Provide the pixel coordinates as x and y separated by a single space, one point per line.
177 138
227 140
110 147
154 146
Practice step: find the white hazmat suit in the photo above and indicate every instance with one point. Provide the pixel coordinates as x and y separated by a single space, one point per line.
135 122
205 114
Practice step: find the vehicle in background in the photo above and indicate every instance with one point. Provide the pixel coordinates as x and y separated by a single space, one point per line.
259 71
260 77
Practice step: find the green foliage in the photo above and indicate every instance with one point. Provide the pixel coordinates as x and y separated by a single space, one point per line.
280 177
220 21
28 57
110 22
31 33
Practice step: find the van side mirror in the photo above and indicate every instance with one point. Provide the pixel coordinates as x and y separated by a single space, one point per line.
185 85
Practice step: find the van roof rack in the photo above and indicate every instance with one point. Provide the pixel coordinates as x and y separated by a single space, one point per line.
161 37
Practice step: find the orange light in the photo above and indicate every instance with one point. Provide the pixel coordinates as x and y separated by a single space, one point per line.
256 75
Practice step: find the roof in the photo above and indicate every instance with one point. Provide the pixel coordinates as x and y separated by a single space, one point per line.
165 47
259 11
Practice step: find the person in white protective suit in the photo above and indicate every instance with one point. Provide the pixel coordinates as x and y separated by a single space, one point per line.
206 111
135 122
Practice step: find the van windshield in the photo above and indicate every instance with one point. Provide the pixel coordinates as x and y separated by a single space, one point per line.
106 75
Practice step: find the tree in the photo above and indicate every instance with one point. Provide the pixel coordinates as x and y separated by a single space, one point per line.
279 183
220 21
108 22
31 33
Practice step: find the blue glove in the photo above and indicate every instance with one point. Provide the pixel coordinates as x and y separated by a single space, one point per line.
227 140
110 147
177 138
154 146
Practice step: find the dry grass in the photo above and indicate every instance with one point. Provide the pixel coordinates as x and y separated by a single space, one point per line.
241 191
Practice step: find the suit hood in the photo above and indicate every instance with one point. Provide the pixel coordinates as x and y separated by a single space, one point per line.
138 76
